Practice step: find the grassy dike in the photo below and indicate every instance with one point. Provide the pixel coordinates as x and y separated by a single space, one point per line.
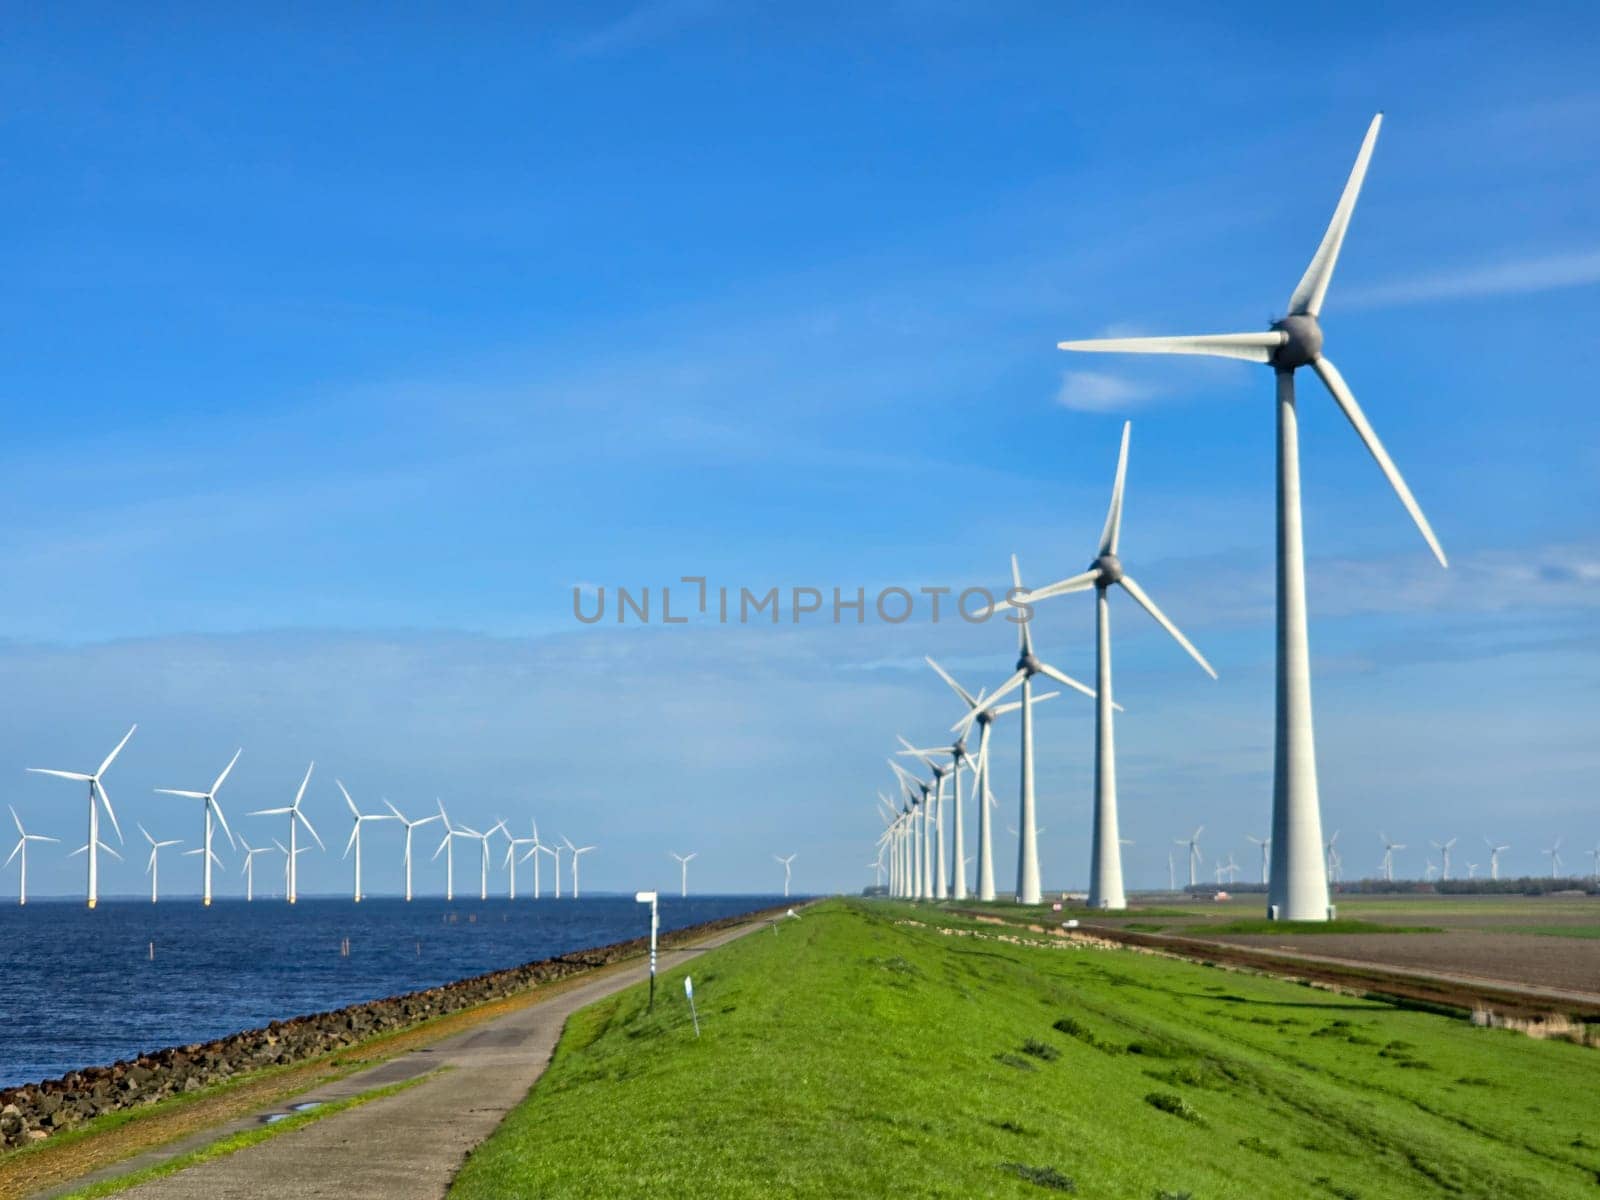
875 1049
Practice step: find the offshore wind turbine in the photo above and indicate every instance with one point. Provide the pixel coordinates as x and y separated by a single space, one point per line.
1388 855
292 852
1494 858
409 826
512 844
1299 886
21 848
538 849
1266 851
1444 849
358 819
787 864
1104 573
683 863
576 852
555 853
1028 665
153 866
97 789
211 809
470 834
1193 842
448 849
248 870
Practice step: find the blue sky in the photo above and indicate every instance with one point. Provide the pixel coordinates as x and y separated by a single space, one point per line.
338 348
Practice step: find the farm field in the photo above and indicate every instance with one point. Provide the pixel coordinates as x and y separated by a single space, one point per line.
879 1048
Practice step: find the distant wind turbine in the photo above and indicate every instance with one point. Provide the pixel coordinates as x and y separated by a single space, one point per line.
1444 849
538 849
211 809
21 848
1388 855
97 790
1266 851
1334 861
447 847
248 870
1555 857
409 826
152 868
513 844
1494 858
291 873
358 819
1193 842
292 852
683 864
788 863
576 852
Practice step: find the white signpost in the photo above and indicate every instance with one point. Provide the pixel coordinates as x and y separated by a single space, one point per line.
688 990
655 924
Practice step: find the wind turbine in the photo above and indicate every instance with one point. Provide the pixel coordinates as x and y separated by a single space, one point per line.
1299 885
1172 873
1444 849
483 846
1388 855
577 852
1105 572
1266 851
538 849
410 825
1334 861
1193 842
1432 870
1555 857
248 871
683 863
447 847
1232 868
21 848
1028 665
1472 870
97 788
787 864
957 751
358 819
1494 858
291 870
153 866
555 853
211 808
918 791
1594 855
512 843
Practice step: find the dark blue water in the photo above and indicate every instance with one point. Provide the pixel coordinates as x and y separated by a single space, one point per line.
79 988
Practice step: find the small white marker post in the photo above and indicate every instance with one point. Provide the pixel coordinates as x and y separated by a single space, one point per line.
688 990
655 923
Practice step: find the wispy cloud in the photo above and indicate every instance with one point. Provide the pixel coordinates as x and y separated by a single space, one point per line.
640 25
1544 273
1101 392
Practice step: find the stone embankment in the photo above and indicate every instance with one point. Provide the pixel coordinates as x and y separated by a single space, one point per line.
35 1111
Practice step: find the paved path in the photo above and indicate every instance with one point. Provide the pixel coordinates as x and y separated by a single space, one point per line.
407 1146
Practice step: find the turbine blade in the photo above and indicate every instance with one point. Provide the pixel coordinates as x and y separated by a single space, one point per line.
223 821
1113 526
301 817
988 703
1352 411
1016 704
1313 285
354 830
1249 347
177 792
954 686
217 786
15 850
1149 605
105 802
1062 677
1061 587
354 811
301 794
268 812
18 821
78 775
396 813
111 758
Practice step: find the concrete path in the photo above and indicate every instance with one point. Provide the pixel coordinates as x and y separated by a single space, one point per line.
407 1146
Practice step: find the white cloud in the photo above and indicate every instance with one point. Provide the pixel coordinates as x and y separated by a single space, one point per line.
1544 273
1101 392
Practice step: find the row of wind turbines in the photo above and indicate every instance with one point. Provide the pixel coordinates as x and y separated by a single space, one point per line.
914 839
518 849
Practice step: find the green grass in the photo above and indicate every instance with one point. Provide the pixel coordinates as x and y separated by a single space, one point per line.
850 1054
1570 931
237 1141
1288 928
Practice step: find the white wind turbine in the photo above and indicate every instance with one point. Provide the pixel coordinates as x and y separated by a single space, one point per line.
1494 858
555 853
985 719
540 848
409 826
1193 842
918 791
1266 851
1299 885
152 868
1388 855
1555 857
211 808
483 847
683 864
1444 849
576 852
512 844
358 819
447 847
1028 665
97 788
21 848
787 864
1594 855
1472 870
930 758
1432 870
1105 572
292 852
248 870
1334 861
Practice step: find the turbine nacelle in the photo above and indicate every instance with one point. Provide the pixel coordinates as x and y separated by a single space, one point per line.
1109 569
1302 342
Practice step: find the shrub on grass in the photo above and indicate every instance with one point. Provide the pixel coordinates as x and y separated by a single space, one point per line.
1015 1127
1163 1194
1045 1177
1170 1102
1155 1049
1260 1147
1076 1029
1013 1060
1034 1048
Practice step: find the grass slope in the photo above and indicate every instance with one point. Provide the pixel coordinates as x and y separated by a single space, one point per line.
853 1054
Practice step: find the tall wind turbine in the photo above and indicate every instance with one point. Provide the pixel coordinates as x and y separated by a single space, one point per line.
291 868
930 759
683 864
1444 849
290 872
483 846
1388 855
1266 851
513 843
555 853
1555 857
576 852
787 864
153 866
1193 842
97 788
211 809
410 825
1494 858
917 792
447 847
358 819
538 849
1299 885
248 870
1028 665
21 848
1105 864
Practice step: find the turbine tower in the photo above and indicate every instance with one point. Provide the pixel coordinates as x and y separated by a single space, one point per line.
292 852
1266 851
787 864
1299 886
97 789
576 852
1444 849
211 809
683 864
1028 665
447 847
939 861
358 819
152 867
248 870
1193 842
470 834
409 826
538 849
1388 855
1105 860
21 848
1494 858
555 853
